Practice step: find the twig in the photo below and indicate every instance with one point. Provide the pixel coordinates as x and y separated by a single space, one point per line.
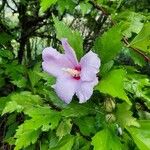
136 50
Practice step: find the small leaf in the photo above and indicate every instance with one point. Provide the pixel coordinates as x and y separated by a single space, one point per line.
26 138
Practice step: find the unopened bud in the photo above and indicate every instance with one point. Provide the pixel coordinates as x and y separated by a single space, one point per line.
109 105
110 118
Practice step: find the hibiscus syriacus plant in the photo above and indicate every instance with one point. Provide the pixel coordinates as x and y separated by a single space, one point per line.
73 77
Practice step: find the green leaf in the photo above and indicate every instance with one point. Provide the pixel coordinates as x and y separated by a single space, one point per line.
11 107
45 4
64 128
138 59
21 83
19 101
141 136
26 138
138 85
106 140
68 5
85 7
86 125
6 54
74 37
131 22
78 110
109 44
113 84
34 77
142 40
124 116
41 118
65 143
3 102
4 37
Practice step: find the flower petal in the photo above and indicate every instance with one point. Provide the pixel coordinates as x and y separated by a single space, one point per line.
53 62
90 64
70 53
85 90
65 88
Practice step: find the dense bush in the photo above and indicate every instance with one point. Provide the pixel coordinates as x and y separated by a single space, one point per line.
117 115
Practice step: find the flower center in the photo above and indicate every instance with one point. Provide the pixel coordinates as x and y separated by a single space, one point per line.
75 73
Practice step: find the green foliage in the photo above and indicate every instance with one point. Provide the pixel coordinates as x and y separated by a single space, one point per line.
124 116
106 47
86 125
106 140
117 115
142 40
74 37
65 143
112 84
45 4
42 118
141 136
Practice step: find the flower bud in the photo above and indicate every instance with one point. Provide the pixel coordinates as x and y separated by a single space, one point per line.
109 105
110 118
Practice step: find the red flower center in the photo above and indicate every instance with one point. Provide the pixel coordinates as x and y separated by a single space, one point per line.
77 76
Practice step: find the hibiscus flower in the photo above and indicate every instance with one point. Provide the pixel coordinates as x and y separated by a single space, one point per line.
72 77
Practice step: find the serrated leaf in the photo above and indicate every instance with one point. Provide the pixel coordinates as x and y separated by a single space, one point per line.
106 140
74 37
27 138
142 40
42 118
11 107
109 44
124 116
141 136
45 4
19 101
20 82
113 84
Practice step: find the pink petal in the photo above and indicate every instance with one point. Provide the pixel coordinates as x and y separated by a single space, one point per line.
90 64
65 88
53 62
70 53
85 90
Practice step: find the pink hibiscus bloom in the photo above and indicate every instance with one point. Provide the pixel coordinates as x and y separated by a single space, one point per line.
73 77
